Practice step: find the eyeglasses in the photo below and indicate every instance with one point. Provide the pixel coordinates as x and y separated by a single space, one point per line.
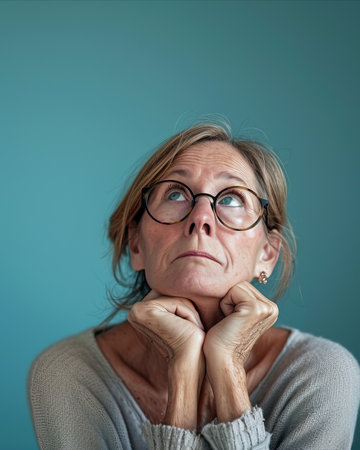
237 207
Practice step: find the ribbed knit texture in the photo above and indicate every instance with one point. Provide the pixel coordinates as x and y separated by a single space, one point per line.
246 433
171 438
309 400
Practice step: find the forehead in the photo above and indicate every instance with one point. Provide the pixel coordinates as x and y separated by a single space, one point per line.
214 161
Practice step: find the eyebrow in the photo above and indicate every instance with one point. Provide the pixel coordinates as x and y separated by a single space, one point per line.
225 175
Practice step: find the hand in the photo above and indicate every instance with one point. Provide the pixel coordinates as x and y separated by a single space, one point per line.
174 326
248 314
171 323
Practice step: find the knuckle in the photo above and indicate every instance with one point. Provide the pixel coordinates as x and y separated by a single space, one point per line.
275 309
267 310
137 312
134 313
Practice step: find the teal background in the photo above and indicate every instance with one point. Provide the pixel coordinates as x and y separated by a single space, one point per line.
87 88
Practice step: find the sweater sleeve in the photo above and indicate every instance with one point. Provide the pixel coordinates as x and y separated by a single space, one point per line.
245 433
166 437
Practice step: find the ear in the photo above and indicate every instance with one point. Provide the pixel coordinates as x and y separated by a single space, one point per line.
269 254
136 255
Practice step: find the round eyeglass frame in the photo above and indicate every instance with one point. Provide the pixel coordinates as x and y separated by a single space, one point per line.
263 212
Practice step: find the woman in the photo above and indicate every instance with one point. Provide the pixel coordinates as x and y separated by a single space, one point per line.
198 363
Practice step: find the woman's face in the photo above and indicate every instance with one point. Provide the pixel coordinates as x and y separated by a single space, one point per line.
170 254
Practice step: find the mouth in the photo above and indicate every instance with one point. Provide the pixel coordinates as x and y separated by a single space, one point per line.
198 254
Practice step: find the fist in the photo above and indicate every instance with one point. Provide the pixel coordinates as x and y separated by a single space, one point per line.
171 323
248 314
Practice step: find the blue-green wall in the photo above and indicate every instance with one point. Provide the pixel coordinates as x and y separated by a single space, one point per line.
86 88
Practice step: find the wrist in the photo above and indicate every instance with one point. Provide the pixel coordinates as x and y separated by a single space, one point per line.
190 351
188 367
185 377
225 366
229 384
183 397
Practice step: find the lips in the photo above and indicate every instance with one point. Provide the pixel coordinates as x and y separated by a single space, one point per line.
198 254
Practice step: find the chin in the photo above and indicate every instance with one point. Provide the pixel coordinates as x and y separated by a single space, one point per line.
193 287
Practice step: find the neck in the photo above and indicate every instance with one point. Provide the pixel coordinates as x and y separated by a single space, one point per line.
209 311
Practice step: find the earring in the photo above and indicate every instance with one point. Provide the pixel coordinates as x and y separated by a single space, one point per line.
263 279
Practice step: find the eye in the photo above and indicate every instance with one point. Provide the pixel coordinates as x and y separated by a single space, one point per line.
231 199
176 193
176 196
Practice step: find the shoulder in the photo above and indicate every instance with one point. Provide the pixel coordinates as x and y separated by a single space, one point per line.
311 371
64 356
312 394
315 354
71 366
319 363
76 400
311 364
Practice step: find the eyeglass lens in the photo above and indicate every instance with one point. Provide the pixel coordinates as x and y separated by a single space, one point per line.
170 202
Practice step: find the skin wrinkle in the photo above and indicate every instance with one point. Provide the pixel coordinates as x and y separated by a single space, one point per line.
197 159
183 288
218 240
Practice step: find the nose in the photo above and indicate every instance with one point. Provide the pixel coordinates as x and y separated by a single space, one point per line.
202 217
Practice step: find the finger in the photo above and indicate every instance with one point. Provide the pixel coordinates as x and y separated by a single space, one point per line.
238 294
268 306
189 314
182 308
248 295
245 298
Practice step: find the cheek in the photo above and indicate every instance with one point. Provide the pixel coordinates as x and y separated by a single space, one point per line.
248 247
147 244
155 240
253 237
148 234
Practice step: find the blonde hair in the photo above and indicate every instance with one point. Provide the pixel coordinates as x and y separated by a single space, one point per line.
271 185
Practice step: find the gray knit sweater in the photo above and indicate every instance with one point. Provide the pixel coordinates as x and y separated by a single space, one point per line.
308 400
